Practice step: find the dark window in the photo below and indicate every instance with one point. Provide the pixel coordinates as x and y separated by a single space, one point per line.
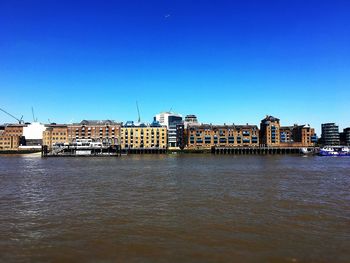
222 140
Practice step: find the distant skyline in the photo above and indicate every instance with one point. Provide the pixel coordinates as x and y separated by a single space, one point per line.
225 61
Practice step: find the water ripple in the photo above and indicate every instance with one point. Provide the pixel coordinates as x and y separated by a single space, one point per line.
192 208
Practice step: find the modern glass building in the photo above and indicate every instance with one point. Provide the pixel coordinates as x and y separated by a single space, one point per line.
171 120
330 134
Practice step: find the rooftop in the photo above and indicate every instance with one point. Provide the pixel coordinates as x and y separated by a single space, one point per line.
97 122
270 118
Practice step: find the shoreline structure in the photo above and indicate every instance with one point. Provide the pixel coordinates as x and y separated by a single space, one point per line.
169 133
216 151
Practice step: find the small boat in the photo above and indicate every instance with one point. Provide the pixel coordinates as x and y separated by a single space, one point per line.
306 151
335 151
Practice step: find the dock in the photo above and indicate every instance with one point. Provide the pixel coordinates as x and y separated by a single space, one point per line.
76 151
259 150
115 150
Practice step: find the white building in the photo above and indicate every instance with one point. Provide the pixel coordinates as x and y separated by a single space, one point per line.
191 119
170 120
33 133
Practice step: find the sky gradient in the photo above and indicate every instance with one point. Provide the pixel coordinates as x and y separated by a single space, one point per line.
225 61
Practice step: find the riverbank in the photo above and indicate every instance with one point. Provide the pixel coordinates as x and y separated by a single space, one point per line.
213 150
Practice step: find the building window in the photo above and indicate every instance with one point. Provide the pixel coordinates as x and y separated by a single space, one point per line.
222 140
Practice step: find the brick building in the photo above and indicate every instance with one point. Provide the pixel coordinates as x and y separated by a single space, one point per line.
270 131
55 134
104 131
205 136
11 136
297 135
142 136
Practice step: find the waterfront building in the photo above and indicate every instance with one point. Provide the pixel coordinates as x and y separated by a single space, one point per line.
11 136
297 136
105 131
170 120
190 119
270 131
55 134
330 134
143 136
33 133
286 134
345 137
304 135
180 136
205 136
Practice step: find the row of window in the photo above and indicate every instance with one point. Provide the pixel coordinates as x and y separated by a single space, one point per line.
5 139
141 142
142 146
58 133
89 137
222 141
58 138
13 131
230 138
221 133
93 128
147 137
5 143
142 130
11 134
152 133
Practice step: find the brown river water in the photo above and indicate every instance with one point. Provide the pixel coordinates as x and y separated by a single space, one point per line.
175 208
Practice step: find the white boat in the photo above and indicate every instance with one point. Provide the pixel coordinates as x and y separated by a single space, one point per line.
335 151
86 143
306 151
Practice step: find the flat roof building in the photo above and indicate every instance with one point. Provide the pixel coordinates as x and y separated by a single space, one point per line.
143 136
330 134
104 131
55 134
11 136
205 136
170 120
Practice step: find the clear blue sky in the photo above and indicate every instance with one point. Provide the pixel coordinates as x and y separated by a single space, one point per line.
225 61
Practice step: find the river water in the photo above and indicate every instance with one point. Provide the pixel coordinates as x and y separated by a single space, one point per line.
175 208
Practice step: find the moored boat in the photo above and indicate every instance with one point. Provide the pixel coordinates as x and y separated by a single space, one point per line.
307 151
335 151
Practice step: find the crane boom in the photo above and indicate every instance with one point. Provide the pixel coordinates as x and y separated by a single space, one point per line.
19 120
138 112
33 115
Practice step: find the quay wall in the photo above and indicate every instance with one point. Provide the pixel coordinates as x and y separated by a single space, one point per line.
258 150
213 150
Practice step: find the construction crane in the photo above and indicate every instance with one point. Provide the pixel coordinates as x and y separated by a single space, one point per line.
34 119
20 121
138 112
